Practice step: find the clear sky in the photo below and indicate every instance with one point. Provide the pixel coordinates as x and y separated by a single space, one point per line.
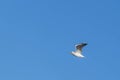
37 37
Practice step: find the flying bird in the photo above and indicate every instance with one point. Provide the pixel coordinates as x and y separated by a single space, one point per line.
78 52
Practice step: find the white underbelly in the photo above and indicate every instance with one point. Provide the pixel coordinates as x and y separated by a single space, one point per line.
78 54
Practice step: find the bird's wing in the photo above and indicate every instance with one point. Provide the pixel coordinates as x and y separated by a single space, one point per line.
80 46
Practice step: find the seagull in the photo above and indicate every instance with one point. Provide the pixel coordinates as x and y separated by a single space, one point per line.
78 52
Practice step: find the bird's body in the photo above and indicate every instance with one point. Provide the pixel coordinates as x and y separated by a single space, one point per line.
78 52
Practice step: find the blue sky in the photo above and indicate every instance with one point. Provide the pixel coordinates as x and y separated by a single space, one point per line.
37 37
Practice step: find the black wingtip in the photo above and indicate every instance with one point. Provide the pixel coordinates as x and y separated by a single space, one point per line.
84 43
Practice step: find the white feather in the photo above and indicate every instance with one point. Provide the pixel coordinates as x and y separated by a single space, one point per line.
77 53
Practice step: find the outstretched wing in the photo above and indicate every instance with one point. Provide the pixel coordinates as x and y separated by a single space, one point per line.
80 46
